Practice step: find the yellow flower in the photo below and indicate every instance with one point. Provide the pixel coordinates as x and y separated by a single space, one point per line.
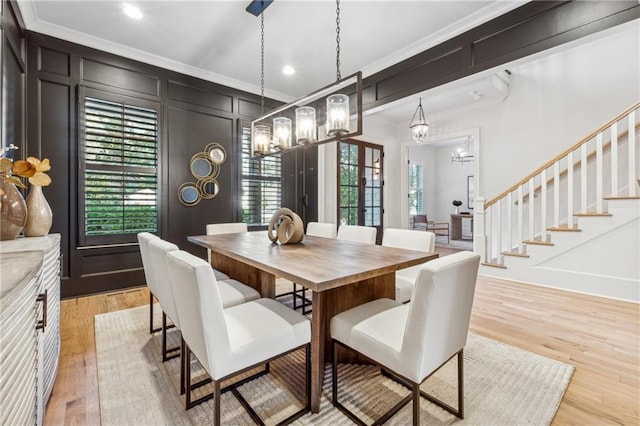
19 168
39 178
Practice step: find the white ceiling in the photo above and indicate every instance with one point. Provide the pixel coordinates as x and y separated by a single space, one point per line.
220 41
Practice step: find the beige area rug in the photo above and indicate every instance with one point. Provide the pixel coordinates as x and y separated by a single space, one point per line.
504 385
466 244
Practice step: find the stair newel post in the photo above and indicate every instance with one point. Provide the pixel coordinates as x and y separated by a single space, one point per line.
583 178
532 221
543 202
556 197
570 190
632 154
599 174
509 207
489 234
480 229
521 246
614 159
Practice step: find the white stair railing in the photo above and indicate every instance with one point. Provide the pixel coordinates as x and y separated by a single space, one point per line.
521 214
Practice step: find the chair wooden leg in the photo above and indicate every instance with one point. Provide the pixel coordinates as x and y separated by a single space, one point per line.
165 351
216 403
187 376
183 360
416 404
334 374
151 329
295 297
308 371
150 313
164 337
461 384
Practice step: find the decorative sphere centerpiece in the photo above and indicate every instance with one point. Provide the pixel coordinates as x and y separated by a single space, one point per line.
285 227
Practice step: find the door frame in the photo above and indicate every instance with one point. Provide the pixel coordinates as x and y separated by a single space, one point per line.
474 133
362 145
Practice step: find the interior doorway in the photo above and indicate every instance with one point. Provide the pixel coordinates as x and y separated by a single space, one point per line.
438 172
360 184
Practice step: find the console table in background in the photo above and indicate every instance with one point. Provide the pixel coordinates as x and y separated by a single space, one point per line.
29 326
456 225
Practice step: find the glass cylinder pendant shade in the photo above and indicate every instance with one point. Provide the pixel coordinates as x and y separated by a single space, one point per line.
306 130
261 139
282 133
420 132
337 115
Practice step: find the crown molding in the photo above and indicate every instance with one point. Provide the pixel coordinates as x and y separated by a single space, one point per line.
471 21
34 23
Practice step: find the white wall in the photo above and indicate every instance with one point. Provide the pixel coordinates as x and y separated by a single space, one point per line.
554 101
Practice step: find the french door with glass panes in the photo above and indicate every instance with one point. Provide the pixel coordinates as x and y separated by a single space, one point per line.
360 184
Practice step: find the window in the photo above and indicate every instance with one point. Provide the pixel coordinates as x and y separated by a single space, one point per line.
119 178
261 184
416 189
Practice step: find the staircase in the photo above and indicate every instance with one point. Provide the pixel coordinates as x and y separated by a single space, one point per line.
574 223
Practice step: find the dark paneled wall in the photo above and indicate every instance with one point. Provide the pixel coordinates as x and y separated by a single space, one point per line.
193 113
12 91
300 182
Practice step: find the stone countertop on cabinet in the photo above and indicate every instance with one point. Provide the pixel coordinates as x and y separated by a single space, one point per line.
30 243
17 268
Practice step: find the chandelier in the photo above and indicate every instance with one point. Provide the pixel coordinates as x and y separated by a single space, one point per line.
326 115
419 128
461 155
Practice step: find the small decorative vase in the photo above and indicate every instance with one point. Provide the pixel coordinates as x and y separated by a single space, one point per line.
39 216
13 211
457 210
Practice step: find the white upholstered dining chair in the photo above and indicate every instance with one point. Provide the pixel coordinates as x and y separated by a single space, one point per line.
225 228
231 341
412 341
410 240
358 234
232 293
319 229
158 249
143 242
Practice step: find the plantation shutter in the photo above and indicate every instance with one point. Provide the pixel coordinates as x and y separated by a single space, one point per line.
261 184
120 156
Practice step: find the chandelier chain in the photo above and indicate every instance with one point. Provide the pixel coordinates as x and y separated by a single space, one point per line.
338 40
262 58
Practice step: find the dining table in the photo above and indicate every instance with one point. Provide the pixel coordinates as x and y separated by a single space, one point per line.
340 274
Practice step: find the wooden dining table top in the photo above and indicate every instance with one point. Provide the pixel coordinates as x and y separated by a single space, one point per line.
317 263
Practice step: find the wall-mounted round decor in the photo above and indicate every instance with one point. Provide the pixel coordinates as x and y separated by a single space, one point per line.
216 153
208 188
205 168
188 194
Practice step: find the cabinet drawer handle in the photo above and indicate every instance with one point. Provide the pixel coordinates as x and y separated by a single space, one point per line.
42 297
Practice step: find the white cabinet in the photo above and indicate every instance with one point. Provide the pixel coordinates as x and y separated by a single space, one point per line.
29 326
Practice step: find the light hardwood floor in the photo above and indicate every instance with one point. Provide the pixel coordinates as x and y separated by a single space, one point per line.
600 337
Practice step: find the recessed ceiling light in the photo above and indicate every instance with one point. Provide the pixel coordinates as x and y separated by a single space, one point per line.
131 11
288 70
